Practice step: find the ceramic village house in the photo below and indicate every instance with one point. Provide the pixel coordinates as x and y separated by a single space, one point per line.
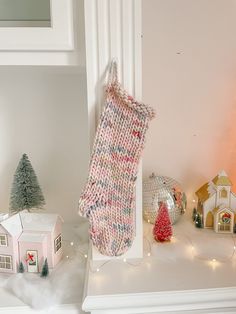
217 204
29 238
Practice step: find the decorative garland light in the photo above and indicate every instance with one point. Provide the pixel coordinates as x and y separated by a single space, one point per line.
212 261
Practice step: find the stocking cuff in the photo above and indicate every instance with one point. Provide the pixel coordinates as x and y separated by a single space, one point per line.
115 89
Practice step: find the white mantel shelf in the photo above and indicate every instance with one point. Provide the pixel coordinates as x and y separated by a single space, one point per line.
170 281
219 300
22 309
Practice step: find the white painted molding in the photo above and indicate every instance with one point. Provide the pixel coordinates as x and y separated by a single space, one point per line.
220 300
62 309
58 37
113 30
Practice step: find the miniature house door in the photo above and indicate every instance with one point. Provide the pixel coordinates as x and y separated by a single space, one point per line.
32 261
225 222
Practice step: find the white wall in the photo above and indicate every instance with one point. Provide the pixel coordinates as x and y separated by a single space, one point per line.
189 76
43 113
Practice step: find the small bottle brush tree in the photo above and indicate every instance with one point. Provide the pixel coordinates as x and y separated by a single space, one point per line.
26 192
45 270
184 202
198 221
162 230
194 215
21 268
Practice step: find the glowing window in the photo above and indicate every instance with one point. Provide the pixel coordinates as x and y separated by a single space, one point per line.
3 240
5 262
223 193
57 243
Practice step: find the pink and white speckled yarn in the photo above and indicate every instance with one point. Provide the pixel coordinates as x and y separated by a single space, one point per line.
108 198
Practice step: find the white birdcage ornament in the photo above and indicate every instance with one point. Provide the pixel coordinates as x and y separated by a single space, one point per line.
157 189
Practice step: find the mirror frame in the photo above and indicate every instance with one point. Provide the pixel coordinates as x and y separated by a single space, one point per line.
58 37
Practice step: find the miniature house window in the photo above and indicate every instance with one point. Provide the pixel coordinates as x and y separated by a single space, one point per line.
57 243
5 262
223 193
3 240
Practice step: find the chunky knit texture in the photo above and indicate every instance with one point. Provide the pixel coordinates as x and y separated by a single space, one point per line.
108 198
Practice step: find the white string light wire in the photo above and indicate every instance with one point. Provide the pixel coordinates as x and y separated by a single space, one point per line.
149 242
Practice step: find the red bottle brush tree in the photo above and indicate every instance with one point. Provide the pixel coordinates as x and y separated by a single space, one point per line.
162 230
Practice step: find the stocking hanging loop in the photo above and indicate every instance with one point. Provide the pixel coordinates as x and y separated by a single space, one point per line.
113 76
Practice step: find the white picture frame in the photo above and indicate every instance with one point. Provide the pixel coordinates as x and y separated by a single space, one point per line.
58 37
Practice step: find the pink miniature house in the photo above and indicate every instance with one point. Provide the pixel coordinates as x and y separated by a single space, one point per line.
29 238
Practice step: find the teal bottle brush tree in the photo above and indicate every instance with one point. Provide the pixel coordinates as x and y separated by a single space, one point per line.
26 192
45 270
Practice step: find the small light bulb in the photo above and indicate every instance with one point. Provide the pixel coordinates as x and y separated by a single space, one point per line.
67 256
218 223
194 201
72 243
149 254
85 255
213 260
234 247
97 270
124 260
148 221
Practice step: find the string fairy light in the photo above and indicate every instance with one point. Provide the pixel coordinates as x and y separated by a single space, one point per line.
213 260
98 268
117 259
149 243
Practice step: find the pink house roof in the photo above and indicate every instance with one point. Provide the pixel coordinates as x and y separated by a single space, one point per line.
25 221
32 237
38 222
12 225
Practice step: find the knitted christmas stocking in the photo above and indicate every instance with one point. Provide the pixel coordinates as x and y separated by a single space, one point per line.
108 198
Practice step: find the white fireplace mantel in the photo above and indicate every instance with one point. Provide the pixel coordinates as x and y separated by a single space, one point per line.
113 31
221 300
171 280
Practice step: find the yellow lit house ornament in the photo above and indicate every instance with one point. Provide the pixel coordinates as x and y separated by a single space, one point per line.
217 204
